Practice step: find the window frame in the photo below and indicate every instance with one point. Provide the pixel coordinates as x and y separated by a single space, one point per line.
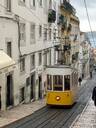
40 31
32 3
32 63
22 64
40 58
9 6
9 51
41 3
22 33
22 2
32 33
50 34
45 34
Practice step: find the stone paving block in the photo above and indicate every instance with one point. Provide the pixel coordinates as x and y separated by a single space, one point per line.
88 117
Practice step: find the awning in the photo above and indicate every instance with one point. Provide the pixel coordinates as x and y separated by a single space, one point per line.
5 60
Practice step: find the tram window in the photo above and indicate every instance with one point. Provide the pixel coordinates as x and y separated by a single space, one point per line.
67 82
58 83
49 82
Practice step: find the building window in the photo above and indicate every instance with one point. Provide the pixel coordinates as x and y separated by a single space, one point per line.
23 1
50 4
45 6
22 65
45 58
22 94
40 31
32 33
54 34
50 57
32 61
8 5
9 49
50 32
22 32
32 3
40 2
40 58
45 33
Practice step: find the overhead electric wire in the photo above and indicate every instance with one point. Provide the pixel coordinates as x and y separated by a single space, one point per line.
89 21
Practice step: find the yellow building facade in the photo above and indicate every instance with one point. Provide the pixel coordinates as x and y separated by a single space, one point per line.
67 22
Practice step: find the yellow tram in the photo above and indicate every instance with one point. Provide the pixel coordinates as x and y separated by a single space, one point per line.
62 85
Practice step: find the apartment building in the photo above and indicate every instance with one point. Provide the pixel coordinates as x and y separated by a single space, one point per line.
28 34
64 14
86 48
75 41
8 44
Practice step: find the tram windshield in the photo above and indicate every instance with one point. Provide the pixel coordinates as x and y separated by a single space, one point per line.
67 82
57 83
49 82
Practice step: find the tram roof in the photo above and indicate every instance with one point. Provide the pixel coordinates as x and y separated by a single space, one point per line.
60 70
60 66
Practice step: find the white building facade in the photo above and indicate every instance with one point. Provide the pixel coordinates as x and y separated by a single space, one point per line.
28 36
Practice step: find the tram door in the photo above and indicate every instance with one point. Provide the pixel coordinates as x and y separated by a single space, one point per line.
40 88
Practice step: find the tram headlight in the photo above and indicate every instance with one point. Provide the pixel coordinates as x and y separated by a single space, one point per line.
57 98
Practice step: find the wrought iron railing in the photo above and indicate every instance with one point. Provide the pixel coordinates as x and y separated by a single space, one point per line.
51 16
66 5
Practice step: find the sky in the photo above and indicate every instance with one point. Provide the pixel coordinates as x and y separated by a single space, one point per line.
81 13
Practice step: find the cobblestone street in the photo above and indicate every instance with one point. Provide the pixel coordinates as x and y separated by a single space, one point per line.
88 117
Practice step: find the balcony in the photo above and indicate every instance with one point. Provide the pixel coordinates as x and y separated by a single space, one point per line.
51 16
68 7
67 47
61 19
75 57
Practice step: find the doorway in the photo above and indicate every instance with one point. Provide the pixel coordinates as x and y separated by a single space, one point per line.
32 94
9 91
40 87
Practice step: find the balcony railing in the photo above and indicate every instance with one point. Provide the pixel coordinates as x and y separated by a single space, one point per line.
75 56
61 19
67 6
67 47
51 16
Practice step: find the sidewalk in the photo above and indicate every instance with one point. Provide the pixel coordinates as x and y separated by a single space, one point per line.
87 119
19 112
